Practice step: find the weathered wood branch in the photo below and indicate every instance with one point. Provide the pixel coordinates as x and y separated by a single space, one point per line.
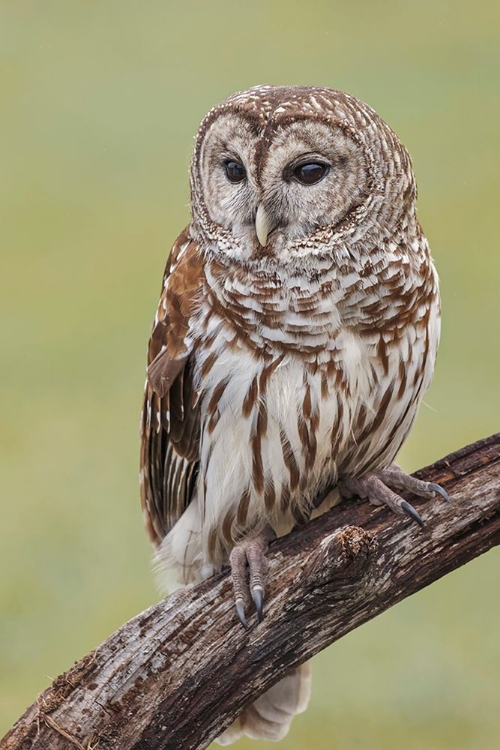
177 674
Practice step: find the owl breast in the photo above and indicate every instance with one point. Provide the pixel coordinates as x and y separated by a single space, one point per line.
292 400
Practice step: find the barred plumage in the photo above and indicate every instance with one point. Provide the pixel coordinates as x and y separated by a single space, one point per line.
296 333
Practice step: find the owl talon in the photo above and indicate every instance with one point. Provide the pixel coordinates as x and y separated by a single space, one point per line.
437 488
395 477
258 598
410 511
378 489
248 570
240 611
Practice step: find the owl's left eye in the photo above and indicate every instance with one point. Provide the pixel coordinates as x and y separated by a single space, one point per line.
235 172
311 172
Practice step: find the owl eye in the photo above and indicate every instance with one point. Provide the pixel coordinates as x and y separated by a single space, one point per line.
310 173
235 172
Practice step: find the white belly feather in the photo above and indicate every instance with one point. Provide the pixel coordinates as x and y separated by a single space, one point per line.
226 456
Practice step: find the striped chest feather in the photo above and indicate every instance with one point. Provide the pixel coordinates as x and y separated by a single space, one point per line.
282 422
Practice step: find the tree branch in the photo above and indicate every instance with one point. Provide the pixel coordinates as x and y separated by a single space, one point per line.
177 674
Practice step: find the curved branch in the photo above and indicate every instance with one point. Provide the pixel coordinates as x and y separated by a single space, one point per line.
177 674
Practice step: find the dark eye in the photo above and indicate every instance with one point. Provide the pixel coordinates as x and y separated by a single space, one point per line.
235 172
310 173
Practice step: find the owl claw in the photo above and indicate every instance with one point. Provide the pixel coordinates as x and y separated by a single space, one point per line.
248 570
258 598
378 489
437 488
240 611
395 477
410 511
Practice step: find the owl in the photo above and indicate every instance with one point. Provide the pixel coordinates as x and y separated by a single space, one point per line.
296 334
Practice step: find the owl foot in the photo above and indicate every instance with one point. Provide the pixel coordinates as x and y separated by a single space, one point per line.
377 489
251 553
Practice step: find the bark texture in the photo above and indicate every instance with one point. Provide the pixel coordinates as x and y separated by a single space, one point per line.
177 674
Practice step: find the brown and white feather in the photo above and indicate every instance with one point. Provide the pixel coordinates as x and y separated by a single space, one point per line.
274 371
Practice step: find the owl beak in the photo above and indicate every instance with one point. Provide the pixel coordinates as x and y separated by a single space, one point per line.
263 225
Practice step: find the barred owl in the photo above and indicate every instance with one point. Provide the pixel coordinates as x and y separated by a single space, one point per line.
295 336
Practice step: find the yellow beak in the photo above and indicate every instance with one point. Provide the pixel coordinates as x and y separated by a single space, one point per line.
263 225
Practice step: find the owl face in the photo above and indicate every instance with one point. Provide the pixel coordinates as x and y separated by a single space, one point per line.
274 166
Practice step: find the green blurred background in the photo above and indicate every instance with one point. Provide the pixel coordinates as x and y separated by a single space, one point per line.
99 105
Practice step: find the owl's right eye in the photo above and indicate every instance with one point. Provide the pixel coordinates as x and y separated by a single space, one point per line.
235 172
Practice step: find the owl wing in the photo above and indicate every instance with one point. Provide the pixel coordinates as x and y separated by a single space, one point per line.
170 424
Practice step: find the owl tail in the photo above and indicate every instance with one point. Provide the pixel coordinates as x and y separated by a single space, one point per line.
269 718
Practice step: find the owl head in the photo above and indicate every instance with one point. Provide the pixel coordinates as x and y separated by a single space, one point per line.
285 172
